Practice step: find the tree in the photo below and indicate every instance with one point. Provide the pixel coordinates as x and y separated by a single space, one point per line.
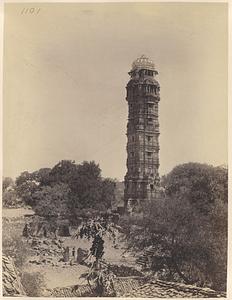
9 194
187 229
206 189
7 182
201 184
89 190
99 277
26 185
52 201
43 176
63 172
108 192
86 188
9 198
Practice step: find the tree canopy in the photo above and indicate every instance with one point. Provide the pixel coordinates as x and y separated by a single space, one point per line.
186 228
201 184
7 182
66 188
9 194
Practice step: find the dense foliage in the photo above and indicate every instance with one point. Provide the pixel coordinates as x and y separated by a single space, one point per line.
9 194
33 284
6 183
99 275
65 189
187 228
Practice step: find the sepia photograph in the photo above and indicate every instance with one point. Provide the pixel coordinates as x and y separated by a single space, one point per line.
115 150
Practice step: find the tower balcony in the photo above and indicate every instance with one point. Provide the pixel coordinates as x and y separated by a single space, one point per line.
141 144
152 162
140 93
157 130
153 94
150 100
144 114
139 127
152 114
152 148
141 162
149 130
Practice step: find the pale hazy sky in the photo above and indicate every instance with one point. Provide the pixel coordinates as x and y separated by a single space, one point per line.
65 72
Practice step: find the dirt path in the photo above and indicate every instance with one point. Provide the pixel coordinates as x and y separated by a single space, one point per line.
60 276
63 274
11 213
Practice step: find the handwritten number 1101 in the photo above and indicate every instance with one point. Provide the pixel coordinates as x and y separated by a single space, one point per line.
31 11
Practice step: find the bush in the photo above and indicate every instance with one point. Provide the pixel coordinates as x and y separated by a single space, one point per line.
13 244
124 271
33 284
187 228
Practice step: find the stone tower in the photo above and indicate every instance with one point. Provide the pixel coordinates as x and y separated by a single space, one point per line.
142 177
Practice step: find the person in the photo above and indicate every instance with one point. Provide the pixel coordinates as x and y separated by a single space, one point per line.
66 254
26 230
45 232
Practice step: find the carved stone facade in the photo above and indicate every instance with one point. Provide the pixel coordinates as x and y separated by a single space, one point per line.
142 177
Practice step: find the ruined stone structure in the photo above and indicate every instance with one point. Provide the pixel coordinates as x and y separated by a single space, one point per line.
74 254
142 177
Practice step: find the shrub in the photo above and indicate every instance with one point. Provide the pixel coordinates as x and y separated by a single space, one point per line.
13 244
33 284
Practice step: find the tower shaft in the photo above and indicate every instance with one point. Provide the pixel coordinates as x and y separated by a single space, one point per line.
142 177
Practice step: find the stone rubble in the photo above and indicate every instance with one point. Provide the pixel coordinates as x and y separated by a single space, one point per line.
138 287
163 289
11 284
46 251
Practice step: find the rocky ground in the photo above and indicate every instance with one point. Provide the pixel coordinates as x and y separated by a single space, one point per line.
48 260
27 260
45 255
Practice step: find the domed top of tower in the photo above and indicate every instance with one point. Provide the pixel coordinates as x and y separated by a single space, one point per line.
143 62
